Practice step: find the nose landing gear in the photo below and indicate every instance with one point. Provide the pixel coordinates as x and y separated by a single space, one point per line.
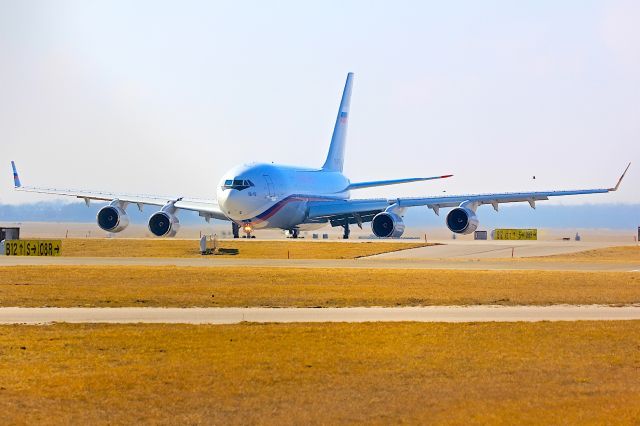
248 229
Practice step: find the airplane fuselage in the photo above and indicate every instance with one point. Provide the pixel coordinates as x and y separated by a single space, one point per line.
276 196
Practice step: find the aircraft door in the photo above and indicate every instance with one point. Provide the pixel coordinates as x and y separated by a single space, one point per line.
271 192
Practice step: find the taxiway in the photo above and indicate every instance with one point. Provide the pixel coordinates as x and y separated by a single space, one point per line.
451 314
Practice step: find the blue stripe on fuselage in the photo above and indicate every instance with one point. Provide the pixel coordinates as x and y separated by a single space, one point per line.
277 206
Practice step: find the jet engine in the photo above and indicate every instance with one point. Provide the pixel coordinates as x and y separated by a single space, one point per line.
387 225
112 218
462 220
163 224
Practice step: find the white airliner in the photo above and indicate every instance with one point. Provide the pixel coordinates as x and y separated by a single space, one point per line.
254 196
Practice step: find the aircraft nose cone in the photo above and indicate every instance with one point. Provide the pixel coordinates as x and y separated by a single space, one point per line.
230 202
221 197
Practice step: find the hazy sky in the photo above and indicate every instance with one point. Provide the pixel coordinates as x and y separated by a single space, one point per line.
164 97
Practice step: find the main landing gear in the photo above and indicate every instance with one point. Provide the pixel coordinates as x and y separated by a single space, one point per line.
294 233
235 229
345 235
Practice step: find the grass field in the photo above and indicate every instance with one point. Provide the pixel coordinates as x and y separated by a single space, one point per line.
116 247
109 286
623 254
542 373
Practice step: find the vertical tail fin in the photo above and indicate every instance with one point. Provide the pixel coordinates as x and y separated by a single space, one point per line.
16 179
335 157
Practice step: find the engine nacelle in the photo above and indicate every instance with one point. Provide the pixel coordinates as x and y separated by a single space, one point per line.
462 220
163 224
112 219
387 225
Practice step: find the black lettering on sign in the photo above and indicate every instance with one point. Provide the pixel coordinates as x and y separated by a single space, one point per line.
32 248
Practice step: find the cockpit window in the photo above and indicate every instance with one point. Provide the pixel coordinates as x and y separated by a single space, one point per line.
238 184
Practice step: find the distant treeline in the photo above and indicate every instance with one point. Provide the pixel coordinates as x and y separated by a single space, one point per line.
612 216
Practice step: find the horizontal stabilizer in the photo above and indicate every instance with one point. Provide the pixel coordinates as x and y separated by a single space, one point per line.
372 184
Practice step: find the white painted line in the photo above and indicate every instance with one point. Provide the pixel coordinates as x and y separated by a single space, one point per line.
478 313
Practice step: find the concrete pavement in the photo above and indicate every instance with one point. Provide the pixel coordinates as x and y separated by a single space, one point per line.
453 314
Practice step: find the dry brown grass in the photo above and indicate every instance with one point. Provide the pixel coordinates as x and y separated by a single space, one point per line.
105 247
497 373
238 286
623 254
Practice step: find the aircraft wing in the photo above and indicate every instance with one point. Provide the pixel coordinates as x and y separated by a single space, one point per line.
206 208
362 210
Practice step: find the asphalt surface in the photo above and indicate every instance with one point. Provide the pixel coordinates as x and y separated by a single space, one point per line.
453 314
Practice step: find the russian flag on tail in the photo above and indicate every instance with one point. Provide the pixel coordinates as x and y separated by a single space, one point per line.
16 179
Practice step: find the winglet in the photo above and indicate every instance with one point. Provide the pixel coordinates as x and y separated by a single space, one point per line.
16 179
615 188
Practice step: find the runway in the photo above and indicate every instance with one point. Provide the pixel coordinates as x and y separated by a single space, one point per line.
449 314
